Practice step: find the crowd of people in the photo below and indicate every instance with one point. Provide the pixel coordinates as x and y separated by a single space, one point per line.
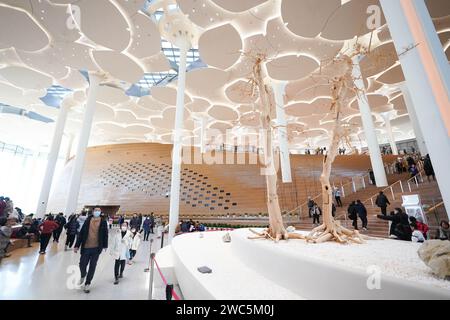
190 226
87 233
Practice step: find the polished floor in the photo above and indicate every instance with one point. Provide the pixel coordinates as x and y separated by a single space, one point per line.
28 275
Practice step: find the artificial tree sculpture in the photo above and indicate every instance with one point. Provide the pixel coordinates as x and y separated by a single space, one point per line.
339 74
276 230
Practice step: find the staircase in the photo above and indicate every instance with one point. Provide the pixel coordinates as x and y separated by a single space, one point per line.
399 184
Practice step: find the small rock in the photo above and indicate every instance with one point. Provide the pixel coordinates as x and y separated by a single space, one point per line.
226 237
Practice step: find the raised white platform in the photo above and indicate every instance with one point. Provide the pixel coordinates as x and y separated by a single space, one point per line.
260 269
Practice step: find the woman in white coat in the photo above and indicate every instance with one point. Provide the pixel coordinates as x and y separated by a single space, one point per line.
135 242
120 250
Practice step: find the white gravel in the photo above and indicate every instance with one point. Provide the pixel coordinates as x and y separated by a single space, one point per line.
393 257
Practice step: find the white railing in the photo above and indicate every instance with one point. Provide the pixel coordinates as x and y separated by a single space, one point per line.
415 181
390 189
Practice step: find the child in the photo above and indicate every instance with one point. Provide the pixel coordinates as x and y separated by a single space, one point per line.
120 250
135 242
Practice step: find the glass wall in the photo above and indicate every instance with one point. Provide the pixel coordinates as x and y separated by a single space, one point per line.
22 172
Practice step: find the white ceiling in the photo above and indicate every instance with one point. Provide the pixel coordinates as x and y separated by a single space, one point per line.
41 44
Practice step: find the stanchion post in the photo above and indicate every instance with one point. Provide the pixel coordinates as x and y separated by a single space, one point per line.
162 239
152 270
150 262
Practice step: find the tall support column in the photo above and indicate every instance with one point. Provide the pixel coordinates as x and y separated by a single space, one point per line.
425 78
77 171
414 121
69 147
278 89
177 146
387 122
368 126
52 159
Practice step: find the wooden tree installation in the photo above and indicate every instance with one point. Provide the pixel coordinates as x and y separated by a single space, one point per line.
339 71
276 230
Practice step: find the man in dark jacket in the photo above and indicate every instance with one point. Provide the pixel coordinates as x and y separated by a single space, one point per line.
61 221
382 201
428 168
134 222
399 224
152 222
362 213
92 239
353 215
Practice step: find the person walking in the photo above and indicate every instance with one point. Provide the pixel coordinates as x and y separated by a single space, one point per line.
93 238
147 226
382 202
120 250
353 214
337 197
372 177
46 228
61 221
362 213
428 168
134 222
71 231
152 222
135 243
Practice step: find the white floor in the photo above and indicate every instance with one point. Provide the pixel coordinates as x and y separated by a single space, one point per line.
28 275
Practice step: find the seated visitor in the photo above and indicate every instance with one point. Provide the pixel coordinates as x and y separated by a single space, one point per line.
422 227
201 227
416 235
444 230
27 231
5 236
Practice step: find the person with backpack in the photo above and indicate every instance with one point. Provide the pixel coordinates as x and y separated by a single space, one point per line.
353 215
46 228
362 213
71 231
61 221
382 202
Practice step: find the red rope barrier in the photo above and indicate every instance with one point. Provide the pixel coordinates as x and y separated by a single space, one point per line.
174 294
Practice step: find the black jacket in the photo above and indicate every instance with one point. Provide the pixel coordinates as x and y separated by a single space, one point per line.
382 201
361 209
102 235
397 219
352 213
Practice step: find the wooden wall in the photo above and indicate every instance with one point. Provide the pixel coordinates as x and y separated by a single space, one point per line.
136 177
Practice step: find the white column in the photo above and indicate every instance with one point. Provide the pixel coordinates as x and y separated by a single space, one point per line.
414 121
52 159
77 171
417 69
69 147
278 89
177 146
388 127
368 127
